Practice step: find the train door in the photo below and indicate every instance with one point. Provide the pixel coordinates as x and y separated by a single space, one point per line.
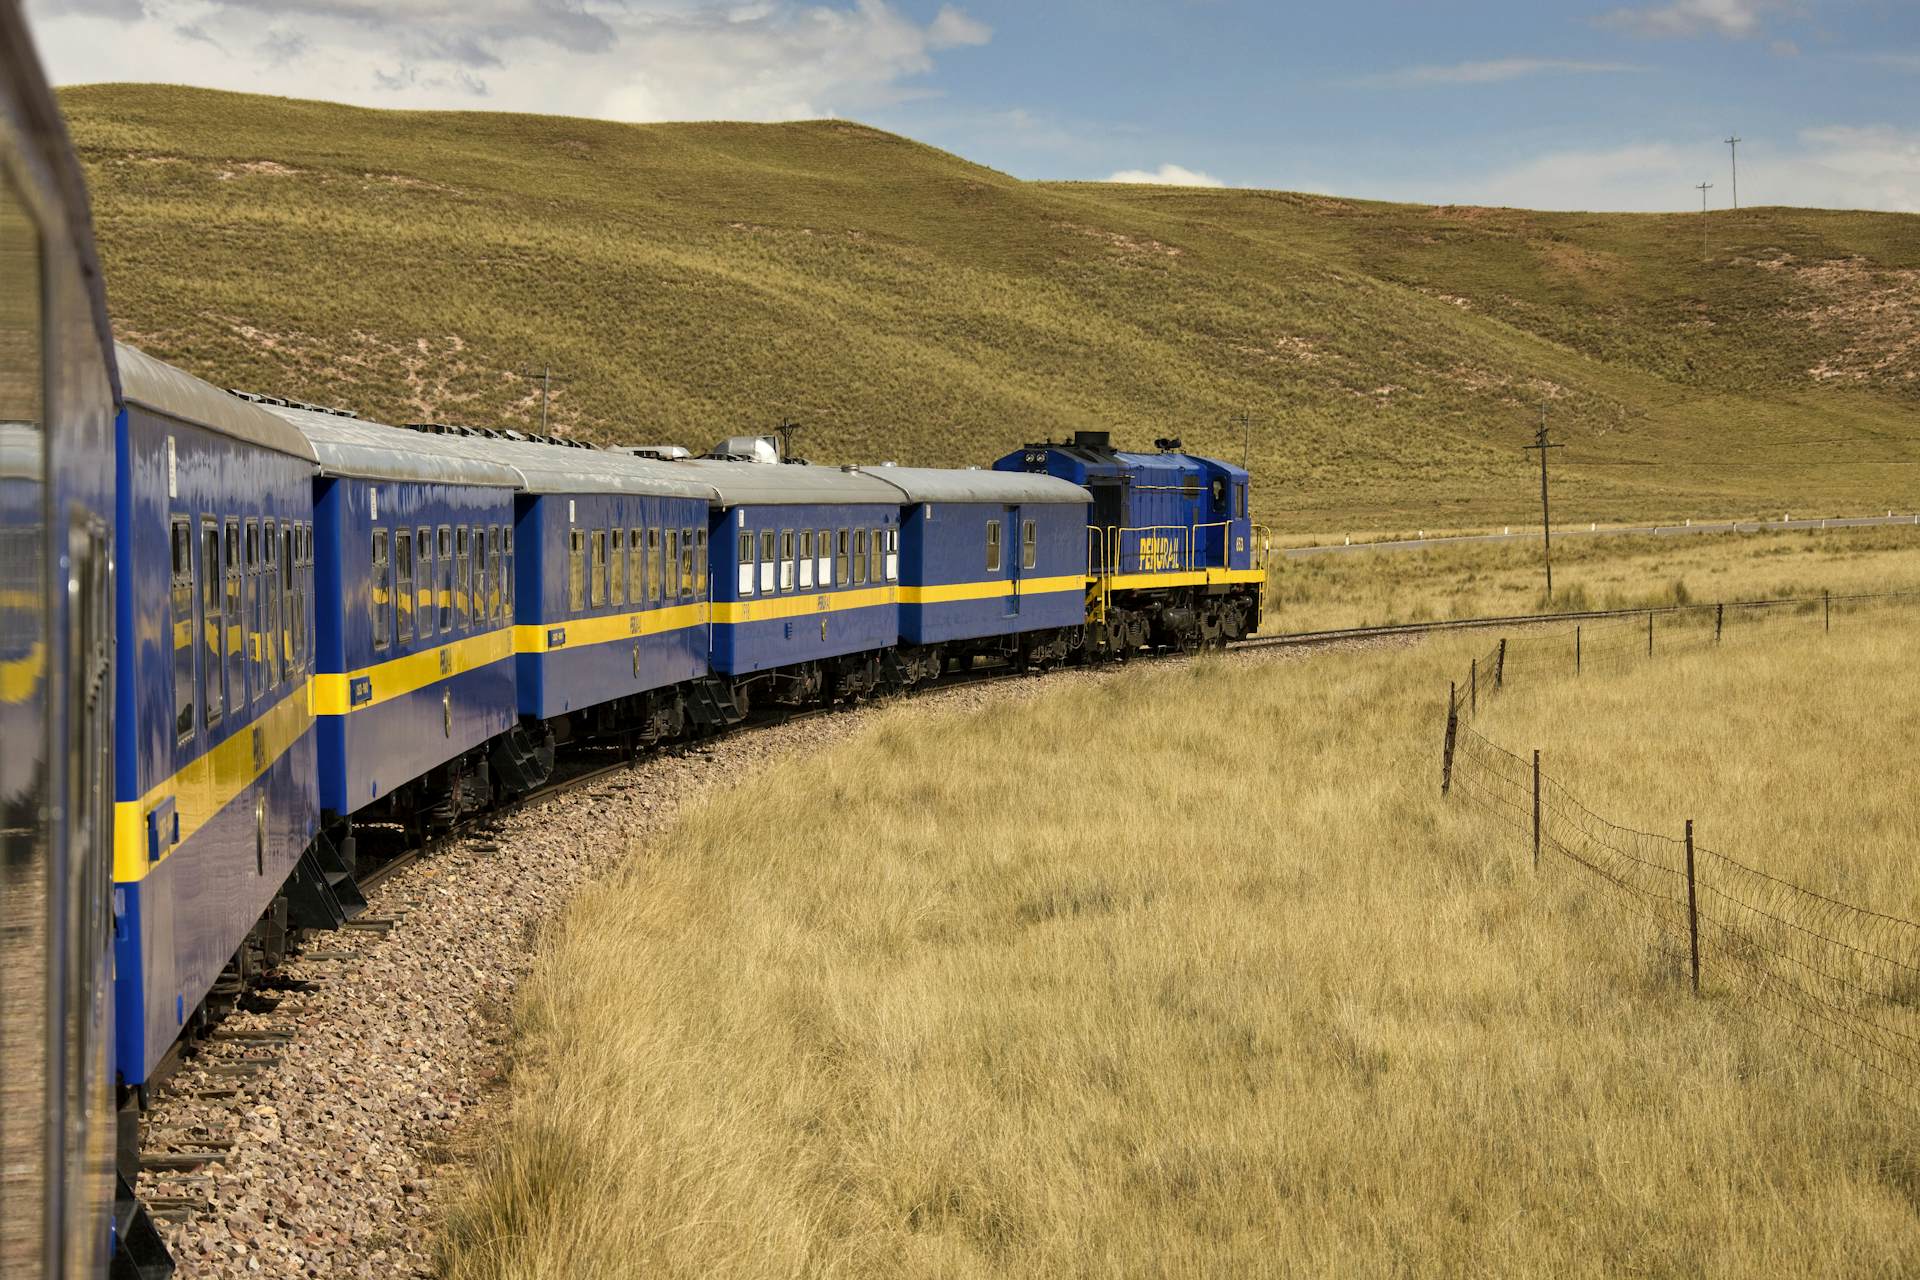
1014 557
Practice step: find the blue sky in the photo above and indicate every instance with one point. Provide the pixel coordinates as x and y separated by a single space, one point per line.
1618 104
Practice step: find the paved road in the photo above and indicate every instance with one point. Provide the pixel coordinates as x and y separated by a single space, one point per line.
1575 531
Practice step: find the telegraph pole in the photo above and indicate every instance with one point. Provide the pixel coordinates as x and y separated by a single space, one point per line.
1541 443
545 374
1733 149
1703 188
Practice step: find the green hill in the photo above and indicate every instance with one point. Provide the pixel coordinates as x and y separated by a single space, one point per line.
686 282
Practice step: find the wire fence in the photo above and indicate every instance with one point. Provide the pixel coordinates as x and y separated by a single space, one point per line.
1845 978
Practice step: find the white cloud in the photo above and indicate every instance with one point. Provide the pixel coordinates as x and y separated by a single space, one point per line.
1692 17
1833 167
1494 71
1168 175
614 59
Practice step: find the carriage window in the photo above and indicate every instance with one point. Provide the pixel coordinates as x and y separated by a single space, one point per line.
637 564
576 570
786 559
1029 545
506 571
746 563
806 559
291 630
236 674
273 603
769 560
993 546
859 556
212 644
481 571
462 576
616 570
673 563
893 555
182 627
252 604
597 568
841 570
382 615
686 562
444 585
653 564
423 579
496 584
700 563
823 572
876 549
403 581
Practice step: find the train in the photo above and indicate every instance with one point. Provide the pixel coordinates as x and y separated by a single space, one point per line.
241 633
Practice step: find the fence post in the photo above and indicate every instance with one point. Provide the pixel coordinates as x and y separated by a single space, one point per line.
1500 666
1473 678
1649 633
1536 808
1576 649
1453 726
1719 617
1693 912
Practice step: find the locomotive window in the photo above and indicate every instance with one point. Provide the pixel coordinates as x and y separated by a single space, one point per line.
1240 501
182 627
495 587
859 556
403 581
653 564
686 562
673 563
1190 487
746 563
599 567
444 561
806 559
423 580
480 572
1219 492
700 563
824 550
462 576
1029 544
786 559
875 549
382 583
993 546
576 570
616 570
211 666
769 559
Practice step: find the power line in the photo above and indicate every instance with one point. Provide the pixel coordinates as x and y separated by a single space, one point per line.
1541 443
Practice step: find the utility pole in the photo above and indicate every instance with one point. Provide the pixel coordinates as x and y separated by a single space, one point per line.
1246 439
545 374
1733 148
1703 188
1541 443
787 429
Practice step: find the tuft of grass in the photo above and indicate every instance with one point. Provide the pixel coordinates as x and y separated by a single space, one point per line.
1186 971
690 281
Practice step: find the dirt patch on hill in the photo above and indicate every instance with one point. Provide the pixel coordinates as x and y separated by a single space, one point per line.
1872 313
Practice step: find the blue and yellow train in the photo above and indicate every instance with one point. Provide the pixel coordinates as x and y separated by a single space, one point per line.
239 632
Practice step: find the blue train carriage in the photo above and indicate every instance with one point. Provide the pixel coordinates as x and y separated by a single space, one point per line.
610 591
1177 562
217 845
59 1213
806 566
992 564
414 690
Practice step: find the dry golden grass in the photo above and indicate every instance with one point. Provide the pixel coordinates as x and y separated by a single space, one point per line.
1364 588
1187 971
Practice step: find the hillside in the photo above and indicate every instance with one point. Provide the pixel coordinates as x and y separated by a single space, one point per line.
687 282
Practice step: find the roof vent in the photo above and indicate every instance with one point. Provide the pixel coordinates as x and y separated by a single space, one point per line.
657 452
1093 439
747 449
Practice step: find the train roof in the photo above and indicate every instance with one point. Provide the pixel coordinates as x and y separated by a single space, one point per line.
765 484
559 468
940 484
366 450
159 387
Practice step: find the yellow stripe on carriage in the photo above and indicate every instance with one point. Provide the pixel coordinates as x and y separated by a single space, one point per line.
995 589
802 604
578 633
208 783
397 677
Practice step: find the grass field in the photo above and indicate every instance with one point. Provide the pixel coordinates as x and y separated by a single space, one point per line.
688 282
1365 588
1191 972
